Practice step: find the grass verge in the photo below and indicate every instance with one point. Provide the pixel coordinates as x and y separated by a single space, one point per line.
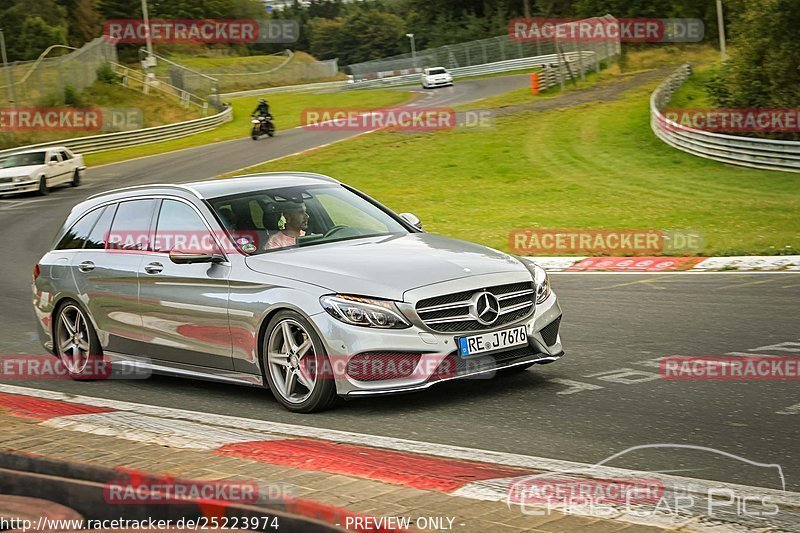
156 111
595 166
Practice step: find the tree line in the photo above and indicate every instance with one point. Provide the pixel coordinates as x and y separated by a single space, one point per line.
764 71
352 30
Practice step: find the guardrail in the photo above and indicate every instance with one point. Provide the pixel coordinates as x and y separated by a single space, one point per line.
132 77
287 88
588 58
125 139
749 152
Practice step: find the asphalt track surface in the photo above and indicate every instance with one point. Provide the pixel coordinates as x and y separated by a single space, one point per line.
604 397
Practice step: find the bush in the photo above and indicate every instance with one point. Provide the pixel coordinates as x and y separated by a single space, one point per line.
72 97
52 99
718 87
106 74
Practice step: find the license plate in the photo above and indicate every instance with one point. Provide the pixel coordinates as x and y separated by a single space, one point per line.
489 342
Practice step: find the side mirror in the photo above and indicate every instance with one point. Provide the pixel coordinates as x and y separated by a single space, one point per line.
412 219
187 258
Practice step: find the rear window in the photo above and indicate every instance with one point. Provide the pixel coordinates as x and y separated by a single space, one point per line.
98 238
75 237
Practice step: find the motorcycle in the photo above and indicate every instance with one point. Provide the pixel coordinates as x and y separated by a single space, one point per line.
262 125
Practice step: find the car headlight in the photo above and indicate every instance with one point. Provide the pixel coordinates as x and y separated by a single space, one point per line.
367 312
19 179
541 279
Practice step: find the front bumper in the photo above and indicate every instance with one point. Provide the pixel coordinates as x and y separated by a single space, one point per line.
437 352
439 83
19 187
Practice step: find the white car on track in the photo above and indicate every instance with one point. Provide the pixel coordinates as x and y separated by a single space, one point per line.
436 77
39 170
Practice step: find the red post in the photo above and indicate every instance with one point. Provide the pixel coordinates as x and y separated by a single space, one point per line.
535 83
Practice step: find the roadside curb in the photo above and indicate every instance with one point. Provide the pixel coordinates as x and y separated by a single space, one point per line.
742 263
460 480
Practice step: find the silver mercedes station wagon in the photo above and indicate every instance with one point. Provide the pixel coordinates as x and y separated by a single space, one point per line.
291 281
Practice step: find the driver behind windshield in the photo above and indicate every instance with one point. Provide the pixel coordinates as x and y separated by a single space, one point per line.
292 224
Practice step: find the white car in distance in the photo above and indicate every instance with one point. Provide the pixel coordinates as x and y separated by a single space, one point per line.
436 77
39 170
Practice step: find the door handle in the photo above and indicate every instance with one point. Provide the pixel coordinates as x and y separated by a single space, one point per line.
154 268
86 266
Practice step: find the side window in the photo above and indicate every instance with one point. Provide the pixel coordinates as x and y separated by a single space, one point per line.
99 236
180 228
54 157
131 227
64 155
75 237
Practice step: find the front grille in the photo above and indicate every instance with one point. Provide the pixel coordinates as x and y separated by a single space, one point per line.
377 366
450 313
550 332
6 180
454 365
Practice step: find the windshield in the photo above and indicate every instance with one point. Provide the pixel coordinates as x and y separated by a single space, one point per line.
437 71
273 219
22 160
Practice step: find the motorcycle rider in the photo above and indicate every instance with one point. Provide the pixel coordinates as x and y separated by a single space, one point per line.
263 109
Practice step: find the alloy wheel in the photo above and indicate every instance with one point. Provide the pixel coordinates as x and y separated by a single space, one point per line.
291 358
72 338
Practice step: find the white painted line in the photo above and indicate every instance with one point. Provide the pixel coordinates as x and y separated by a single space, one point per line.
218 143
161 153
22 203
155 430
300 152
403 445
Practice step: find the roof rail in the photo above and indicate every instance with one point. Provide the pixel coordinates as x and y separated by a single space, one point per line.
322 177
154 185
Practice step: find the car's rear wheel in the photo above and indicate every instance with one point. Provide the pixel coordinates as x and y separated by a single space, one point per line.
295 364
76 178
76 343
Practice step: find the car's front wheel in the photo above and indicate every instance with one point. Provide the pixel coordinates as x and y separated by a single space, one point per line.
296 367
76 343
43 188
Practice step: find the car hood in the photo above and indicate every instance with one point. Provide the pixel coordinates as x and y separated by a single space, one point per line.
385 267
19 171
